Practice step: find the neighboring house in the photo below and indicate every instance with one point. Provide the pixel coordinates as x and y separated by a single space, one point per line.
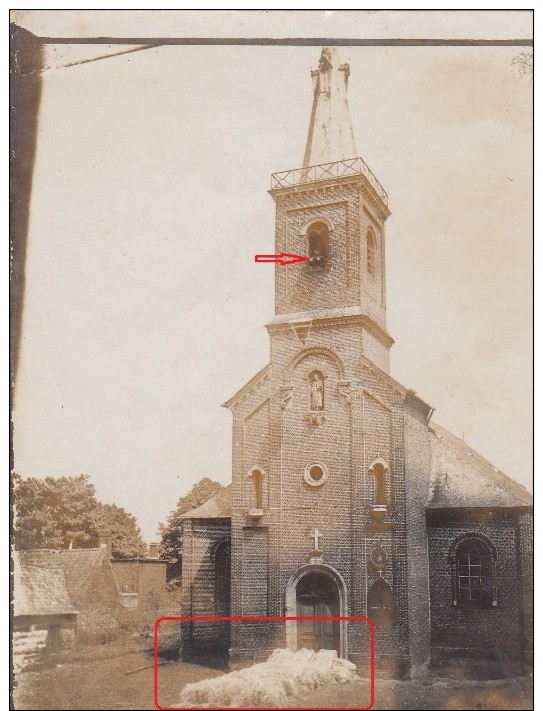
43 615
346 499
89 582
140 580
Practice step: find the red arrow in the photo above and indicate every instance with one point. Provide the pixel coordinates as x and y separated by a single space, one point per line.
282 259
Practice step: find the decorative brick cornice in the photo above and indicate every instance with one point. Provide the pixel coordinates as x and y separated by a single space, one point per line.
351 316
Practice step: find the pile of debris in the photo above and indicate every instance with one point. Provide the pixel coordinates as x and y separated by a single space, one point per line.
270 684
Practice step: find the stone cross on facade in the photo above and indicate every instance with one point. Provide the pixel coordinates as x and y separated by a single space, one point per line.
316 535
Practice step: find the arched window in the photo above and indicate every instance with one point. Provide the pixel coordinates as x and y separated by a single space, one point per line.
379 470
256 476
371 251
222 572
318 238
473 572
382 603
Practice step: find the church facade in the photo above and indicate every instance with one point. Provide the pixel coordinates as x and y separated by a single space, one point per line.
346 500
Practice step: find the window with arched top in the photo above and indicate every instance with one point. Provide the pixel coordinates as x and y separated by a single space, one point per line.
222 572
318 245
473 560
257 478
379 470
382 603
371 251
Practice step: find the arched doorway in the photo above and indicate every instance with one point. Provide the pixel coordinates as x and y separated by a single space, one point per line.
316 590
317 596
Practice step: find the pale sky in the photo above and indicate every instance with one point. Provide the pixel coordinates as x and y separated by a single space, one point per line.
144 309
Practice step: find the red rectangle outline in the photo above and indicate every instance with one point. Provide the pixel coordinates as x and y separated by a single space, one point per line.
255 618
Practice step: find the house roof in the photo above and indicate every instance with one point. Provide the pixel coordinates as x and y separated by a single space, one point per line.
40 590
462 478
78 566
219 506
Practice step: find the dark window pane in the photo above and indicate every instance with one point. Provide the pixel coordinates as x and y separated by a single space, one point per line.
473 573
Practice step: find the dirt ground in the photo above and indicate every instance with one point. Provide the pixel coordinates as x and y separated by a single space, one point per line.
120 676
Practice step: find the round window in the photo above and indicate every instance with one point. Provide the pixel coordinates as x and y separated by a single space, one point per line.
315 474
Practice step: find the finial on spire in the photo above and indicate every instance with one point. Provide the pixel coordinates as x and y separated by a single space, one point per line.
330 137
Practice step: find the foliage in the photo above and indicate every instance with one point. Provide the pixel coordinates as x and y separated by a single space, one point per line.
56 512
172 531
52 512
113 522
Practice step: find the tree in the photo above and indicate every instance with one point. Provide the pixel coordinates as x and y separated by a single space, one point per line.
172 531
57 512
113 522
52 512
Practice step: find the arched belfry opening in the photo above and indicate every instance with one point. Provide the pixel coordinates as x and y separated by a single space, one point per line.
371 252
318 245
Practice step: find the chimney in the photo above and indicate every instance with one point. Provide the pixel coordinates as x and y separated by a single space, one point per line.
104 541
153 550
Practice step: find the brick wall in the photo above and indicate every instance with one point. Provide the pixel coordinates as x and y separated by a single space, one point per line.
344 208
526 567
364 420
464 628
200 537
367 417
418 463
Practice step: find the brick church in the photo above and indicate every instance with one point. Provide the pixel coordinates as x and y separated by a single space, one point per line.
346 500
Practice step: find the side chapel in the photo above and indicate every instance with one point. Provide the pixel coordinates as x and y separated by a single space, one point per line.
346 500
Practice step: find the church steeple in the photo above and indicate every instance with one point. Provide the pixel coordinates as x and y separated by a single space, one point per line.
330 137
332 209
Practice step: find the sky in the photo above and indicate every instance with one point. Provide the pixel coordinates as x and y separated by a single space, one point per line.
144 308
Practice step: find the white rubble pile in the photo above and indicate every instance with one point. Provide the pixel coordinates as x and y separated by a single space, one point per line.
285 674
27 647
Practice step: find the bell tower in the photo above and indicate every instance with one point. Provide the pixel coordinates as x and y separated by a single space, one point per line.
332 209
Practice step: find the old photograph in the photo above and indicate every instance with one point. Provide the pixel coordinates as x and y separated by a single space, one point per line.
271 355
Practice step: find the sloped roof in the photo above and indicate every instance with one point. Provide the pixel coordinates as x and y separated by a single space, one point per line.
462 478
248 387
219 506
40 590
78 566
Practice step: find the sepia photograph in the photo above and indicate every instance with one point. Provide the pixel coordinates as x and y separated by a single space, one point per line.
271 334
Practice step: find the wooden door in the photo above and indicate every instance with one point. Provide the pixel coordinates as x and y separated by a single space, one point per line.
317 596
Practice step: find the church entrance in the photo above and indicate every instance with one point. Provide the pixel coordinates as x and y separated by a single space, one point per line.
317 595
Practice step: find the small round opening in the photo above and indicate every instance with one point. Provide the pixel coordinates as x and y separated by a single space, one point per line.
316 473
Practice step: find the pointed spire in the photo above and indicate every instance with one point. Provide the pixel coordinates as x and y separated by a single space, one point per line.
330 137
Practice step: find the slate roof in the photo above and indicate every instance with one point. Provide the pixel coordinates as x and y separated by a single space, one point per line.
76 567
80 567
40 590
219 506
462 478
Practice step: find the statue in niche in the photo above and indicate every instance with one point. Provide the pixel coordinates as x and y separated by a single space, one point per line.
316 392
